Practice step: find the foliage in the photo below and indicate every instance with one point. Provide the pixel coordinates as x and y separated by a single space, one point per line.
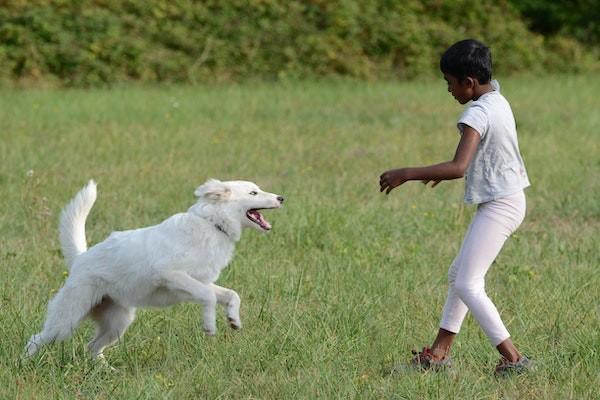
550 17
103 41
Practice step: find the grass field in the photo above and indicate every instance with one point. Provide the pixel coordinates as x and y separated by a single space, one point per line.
348 281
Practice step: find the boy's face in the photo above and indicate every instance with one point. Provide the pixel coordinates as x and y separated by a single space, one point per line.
461 91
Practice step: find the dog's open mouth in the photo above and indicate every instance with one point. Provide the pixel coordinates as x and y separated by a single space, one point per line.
255 216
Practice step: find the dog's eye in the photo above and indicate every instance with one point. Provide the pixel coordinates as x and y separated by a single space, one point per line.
253 193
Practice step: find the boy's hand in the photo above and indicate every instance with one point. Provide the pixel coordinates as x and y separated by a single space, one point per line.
435 182
392 179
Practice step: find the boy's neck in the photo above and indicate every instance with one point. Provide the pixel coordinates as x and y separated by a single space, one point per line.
481 89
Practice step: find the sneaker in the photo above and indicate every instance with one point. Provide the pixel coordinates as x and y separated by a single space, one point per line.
424 360
506 367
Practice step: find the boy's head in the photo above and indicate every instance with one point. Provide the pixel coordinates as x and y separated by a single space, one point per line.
468 59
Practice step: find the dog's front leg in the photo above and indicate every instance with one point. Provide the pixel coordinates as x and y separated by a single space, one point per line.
198 292
231 301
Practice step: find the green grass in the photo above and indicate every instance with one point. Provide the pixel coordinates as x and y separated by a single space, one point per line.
348 281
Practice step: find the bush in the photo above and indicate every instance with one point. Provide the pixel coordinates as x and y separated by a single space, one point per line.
578 19
104 41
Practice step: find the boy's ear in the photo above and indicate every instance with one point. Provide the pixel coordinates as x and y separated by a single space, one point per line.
470 82
213 190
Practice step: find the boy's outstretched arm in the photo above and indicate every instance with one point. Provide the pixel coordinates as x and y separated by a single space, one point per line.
439 172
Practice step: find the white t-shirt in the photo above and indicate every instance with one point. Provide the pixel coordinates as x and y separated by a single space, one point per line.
497 169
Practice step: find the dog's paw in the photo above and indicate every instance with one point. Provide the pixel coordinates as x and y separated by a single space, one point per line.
32 346
101 362
235 323
210 331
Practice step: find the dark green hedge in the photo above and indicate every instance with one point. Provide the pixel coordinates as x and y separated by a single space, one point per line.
577 18
75 43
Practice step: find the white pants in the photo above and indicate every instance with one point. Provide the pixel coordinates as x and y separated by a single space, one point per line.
492 224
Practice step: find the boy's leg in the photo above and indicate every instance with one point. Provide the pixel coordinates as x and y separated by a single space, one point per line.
486 235
442 344
452 317
493 223
454 312
509 350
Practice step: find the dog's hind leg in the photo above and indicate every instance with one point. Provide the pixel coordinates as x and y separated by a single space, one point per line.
112 320
65 312
189 288
231 301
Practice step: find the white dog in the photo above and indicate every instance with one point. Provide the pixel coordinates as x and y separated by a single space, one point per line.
175 261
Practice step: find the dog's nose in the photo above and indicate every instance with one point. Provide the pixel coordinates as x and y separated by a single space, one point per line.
280 199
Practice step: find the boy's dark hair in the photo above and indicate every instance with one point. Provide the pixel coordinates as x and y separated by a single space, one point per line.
468 58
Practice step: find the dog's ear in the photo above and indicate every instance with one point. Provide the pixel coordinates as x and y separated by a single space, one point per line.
214 190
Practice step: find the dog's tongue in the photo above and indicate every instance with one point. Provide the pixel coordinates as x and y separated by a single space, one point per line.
259 219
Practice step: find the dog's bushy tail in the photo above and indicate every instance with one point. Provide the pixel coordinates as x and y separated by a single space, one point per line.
72 223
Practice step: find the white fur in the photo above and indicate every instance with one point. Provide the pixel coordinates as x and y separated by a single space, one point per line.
175 261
